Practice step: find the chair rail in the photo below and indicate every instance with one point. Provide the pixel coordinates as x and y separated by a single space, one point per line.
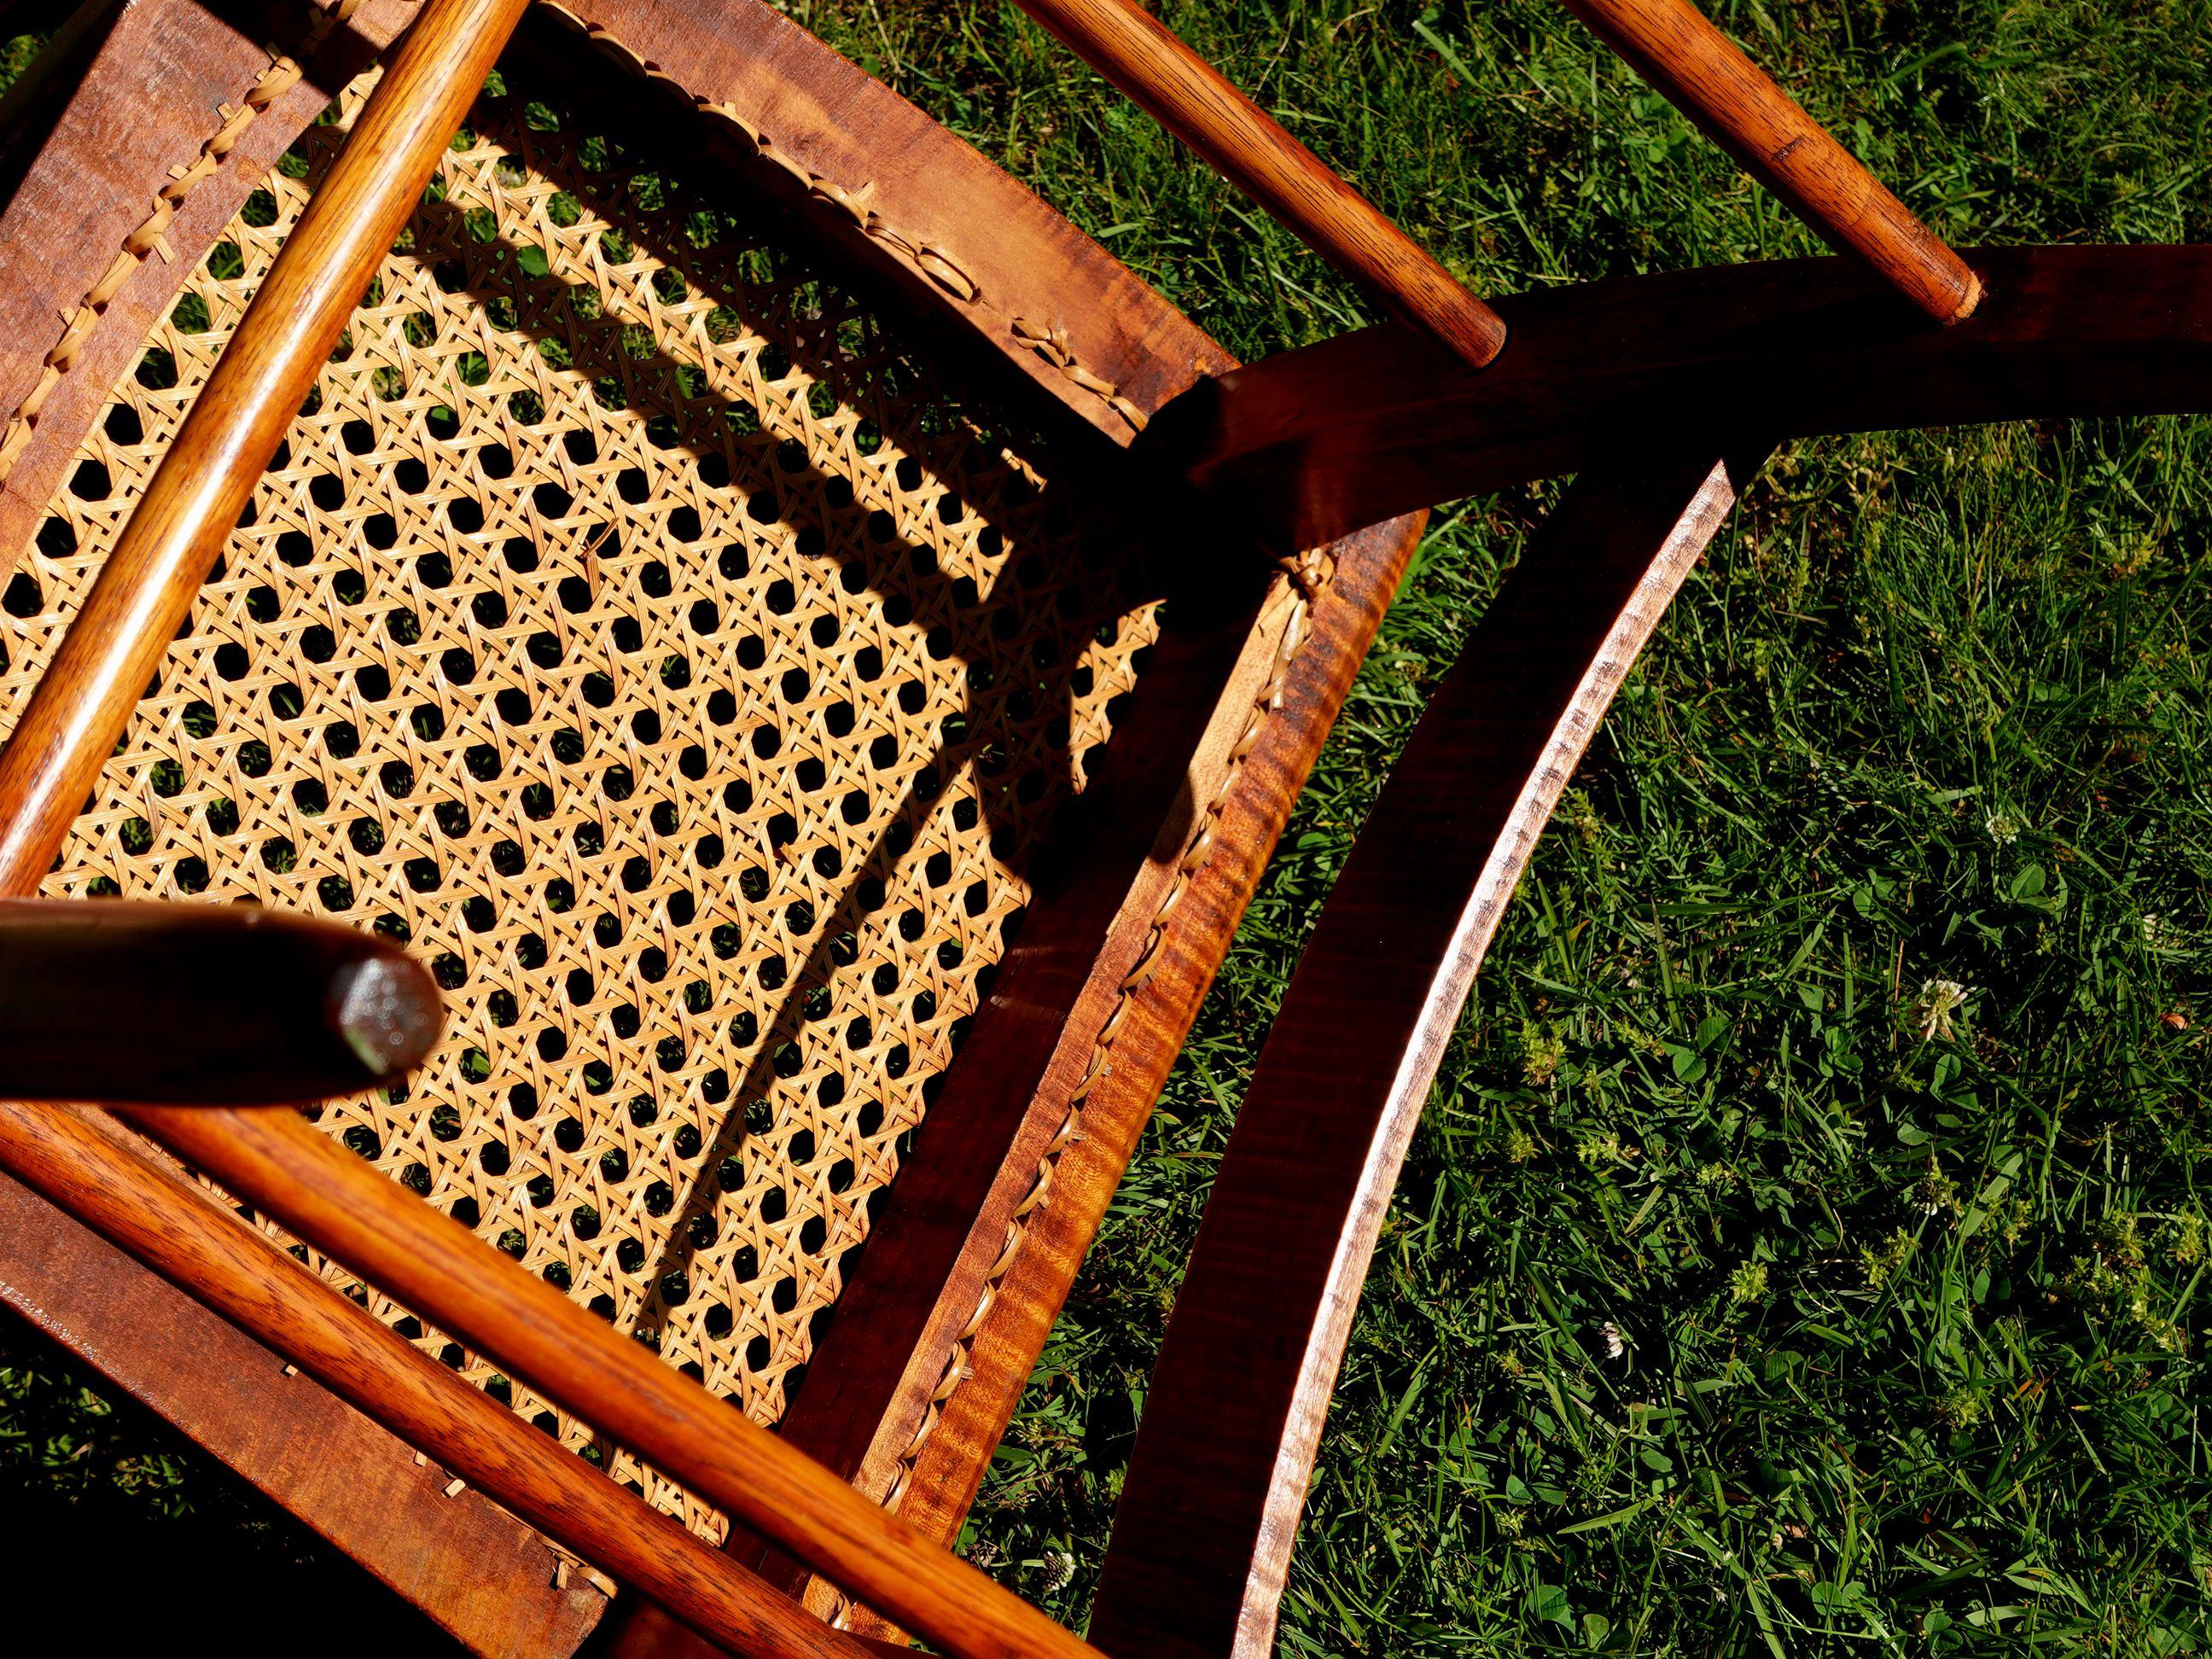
1233 1416
1303 445
84 1168
145 590
289 1169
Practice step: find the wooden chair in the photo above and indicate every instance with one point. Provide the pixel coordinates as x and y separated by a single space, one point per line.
687 581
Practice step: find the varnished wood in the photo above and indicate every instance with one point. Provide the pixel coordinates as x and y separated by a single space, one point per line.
148 101
1285 720
83 1166
900 196
1197 103
1232 1419
847 128
1300 447
489 1580
285 1167
1013 1317
1678 48
1007 277
936 1255
146 589
101 1000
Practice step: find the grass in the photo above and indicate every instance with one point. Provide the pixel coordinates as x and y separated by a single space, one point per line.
1842 1061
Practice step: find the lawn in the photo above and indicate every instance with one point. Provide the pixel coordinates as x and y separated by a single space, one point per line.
1801 1250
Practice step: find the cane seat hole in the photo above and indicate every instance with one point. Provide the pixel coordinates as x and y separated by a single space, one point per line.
629 627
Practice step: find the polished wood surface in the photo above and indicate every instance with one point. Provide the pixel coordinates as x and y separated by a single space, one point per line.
958 1450
1197 103
900 196
288 1169
1678 48
1287 715
145 590
163 90
937 1295
101 1000
1007 278
84 1166
855 137
489 1580
1233 1415
1302 447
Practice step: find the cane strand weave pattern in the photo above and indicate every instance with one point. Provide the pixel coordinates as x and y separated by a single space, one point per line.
626 626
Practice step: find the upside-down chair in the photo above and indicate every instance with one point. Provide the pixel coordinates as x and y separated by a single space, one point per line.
600 793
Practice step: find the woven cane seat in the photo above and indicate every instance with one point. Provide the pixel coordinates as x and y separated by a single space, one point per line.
627 627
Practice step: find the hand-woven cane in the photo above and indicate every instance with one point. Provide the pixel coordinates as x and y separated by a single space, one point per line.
633 631
627 629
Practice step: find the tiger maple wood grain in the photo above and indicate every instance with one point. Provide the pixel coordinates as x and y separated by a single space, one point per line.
281 1163
1232 1419
84 1167
63 738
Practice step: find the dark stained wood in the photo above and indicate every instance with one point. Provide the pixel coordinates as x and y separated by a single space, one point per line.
1232 1419
976 1153
146 589
900 196
1197 103
84 1166
288 1169
101 1000
485 1577
168 79
1676 47
1306 444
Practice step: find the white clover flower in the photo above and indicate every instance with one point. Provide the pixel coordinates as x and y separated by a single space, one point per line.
1060 1570
1609 1334
1938 1001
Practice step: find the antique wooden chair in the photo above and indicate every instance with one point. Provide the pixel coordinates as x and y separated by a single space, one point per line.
662 584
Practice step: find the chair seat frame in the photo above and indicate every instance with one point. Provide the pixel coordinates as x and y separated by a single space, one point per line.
1339 447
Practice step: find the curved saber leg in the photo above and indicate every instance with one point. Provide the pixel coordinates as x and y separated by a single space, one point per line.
1208 1519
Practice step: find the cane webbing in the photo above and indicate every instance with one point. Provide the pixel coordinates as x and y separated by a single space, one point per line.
628 627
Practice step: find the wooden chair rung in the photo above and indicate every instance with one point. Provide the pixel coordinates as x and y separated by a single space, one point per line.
143 593
281 1163
1680 50
83 1167
1197 103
